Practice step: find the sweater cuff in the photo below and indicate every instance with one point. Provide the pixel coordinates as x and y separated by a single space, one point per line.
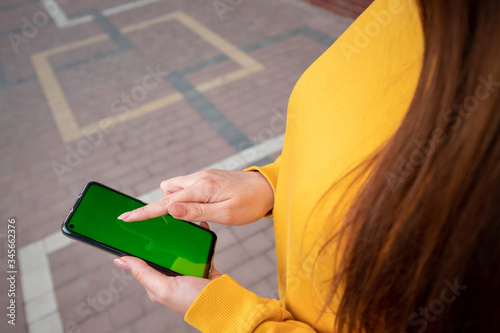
225 306
270 172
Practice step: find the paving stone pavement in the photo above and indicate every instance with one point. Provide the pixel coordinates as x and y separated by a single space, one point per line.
129 93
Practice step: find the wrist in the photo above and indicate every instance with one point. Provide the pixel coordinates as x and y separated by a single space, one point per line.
264 190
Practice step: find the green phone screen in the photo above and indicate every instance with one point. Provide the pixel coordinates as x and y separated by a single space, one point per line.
168 242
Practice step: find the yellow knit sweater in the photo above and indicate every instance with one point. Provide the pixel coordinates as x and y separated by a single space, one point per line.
348 103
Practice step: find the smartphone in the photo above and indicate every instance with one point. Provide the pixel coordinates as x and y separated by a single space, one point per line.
169 245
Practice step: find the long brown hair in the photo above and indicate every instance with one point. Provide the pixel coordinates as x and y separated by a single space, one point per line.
424 232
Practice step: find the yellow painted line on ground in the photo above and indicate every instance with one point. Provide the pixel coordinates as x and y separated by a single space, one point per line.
59 106
148 23
62 113
217 41
75 45
134 113
227 78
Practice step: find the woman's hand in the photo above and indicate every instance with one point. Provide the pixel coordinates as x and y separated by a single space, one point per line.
226 197
175 292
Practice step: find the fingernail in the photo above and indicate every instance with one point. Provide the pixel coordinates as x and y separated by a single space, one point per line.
178 210
121 264
124 215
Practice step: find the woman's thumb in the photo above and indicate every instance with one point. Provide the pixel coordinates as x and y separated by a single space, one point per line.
193 211
178 210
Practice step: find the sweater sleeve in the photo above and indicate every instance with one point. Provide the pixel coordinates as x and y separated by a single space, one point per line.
225 306
271 172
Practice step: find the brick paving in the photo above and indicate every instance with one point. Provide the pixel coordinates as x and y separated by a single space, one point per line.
42 171
347 8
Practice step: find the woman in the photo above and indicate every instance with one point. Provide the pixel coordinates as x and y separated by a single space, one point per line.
385 199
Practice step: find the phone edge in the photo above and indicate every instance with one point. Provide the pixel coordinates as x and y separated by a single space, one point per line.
103 247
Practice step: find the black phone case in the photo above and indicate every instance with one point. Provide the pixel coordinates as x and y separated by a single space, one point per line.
68 233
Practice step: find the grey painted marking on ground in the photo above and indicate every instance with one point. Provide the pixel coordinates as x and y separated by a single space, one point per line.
308 31
19 31
16 31
105 23
271 40
203 64
16 5
100 56
96 57
318 35
230 132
